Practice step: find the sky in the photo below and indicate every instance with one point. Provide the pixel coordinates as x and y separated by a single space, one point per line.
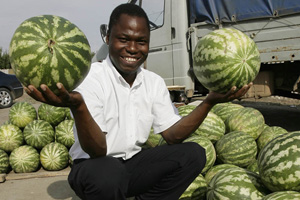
87 15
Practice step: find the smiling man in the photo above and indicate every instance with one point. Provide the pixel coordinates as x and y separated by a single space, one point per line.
114 109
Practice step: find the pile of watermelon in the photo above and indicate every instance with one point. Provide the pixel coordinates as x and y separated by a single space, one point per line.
246 158
36 138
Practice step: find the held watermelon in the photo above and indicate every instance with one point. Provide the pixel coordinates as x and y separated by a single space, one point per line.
48 49
225 58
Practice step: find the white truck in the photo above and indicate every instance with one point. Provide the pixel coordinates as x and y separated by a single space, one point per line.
177 25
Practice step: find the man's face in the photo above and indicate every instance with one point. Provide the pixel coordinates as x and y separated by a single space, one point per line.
128 43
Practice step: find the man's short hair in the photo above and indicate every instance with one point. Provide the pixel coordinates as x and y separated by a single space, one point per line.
128 9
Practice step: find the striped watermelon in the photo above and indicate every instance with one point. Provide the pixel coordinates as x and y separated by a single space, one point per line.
21 113
64 133
209 150
248 120
237 148
49 49
52 114
153 140
279 162
236 184
268 134
212 127
54 156
283 195
24 159
185 110
11 137
223 110
225 58
253 166
196 190
4 162
215 169
38 134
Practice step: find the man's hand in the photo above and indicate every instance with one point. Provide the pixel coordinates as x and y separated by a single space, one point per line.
63 99
214 98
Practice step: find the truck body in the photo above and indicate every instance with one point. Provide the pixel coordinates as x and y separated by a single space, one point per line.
177 26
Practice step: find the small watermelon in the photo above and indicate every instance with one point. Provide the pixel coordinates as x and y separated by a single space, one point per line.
268 134
224 110
283 195
212 127
248 120
236 183
64 133
185 109
11 137
21 113
48 49
209 150
52 114
24 159
4 162
237 148
153 140
196 190
278 162
225 58
54 156
38 134
253 166
215 169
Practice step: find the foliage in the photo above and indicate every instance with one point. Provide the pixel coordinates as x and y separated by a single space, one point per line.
4 59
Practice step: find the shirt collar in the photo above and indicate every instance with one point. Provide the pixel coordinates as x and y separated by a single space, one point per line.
139 77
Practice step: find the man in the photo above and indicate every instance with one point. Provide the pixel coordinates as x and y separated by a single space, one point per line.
114 109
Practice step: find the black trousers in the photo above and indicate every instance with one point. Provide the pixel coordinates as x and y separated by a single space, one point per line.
163 172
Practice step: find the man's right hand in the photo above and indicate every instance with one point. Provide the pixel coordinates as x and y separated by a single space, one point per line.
64 99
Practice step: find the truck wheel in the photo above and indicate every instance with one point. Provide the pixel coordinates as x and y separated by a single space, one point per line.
6 99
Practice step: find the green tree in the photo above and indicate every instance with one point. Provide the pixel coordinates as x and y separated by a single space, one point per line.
4 59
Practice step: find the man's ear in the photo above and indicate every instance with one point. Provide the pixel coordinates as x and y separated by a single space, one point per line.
107 39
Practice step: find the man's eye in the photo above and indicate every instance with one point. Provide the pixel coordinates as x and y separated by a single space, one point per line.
123 39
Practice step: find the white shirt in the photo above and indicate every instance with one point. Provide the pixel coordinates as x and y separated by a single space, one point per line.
125 113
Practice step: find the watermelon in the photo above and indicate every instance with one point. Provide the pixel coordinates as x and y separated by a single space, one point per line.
54 156
248 120
11 137
283 195
38 134
185 109
278 162
225 58
223 110
268 134
21 113
24 159
153 140
52 114
236 184
196 190
253 166
64 133
4 162
212 127
237 148
209 150
48 49
215 169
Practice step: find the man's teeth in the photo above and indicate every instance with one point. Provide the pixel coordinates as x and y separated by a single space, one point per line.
130 59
